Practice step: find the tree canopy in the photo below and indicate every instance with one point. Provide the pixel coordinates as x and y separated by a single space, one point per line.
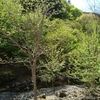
50 35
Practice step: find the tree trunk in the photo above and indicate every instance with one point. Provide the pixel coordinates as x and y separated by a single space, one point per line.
34 77
34 64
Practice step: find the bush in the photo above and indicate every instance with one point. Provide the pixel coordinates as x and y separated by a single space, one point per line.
86 59
53 64
59 40
62 35
88 22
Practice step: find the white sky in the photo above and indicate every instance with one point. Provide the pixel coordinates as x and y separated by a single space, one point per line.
81 4
86 5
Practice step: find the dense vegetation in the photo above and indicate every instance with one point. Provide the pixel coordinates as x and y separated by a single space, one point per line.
51 38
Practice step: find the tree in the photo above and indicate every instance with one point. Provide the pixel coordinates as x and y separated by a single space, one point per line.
88 21
58 6
86 59
75 12
24 30
61 9
62 34
53 63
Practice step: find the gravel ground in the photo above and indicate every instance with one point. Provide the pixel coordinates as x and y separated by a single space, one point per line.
72 92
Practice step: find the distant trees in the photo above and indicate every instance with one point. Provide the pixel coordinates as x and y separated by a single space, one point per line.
75 12
57 10
90 23
60 39
85 57
61 8
63 35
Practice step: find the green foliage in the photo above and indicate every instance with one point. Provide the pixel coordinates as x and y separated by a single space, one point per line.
88 22
62 35
86 59
61 8
73 40
21 27
54 62
25 31
70 12
74 25
59 40
56 11
74 12
9 26
8 51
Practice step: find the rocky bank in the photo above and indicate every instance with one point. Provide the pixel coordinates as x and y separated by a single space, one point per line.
66 92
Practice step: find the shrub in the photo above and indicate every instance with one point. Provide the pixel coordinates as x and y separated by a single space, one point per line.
86 59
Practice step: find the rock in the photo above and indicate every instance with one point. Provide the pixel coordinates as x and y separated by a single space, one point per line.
42 96
72 93
21 86
95 94
61 93
92 95
66 92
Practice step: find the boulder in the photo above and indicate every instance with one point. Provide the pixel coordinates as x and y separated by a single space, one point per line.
61 93
72 93
41 97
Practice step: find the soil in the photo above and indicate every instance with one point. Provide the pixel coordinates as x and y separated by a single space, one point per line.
18 77
10 74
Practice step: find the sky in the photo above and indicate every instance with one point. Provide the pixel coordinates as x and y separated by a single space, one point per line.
87 5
